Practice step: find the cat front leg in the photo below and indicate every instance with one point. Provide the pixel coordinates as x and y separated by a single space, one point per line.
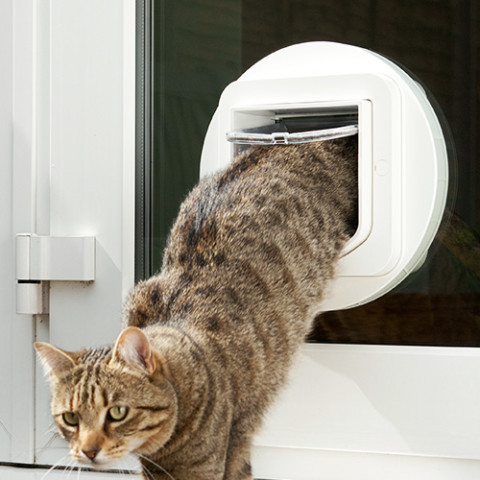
238 466
186 464
182 473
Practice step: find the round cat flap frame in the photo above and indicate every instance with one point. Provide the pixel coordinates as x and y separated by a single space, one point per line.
402 155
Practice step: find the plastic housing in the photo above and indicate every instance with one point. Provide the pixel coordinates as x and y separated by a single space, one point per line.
402 156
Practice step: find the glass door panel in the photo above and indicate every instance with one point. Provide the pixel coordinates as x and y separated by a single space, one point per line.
196 52
201 46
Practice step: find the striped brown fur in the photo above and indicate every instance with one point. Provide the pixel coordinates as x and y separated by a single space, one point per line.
210 339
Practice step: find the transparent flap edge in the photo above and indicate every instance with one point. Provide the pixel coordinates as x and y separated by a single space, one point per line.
285 138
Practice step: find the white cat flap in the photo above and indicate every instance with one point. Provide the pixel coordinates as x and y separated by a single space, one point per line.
328 89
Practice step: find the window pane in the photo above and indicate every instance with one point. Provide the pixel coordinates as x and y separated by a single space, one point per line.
201 46
196 53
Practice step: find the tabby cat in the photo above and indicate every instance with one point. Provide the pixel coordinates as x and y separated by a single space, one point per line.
209 340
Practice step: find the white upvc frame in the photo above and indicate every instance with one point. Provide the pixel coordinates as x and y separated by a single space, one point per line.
351 420
38 88
23 115
7 288
375 412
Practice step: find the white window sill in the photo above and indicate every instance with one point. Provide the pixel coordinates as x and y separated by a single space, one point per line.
18 473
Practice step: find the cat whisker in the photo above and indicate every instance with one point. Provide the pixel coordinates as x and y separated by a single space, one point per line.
55 465
125 466
147 472
17 457
156 465
70 468
48 443
52 429
121 471
126 473
5 429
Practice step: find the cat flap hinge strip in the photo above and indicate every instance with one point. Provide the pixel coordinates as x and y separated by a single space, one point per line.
43 258
258 137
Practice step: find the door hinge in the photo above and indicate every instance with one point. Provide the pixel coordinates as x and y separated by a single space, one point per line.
32 297
41 259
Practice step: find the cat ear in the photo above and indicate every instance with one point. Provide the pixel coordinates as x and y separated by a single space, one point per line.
54 360
132 346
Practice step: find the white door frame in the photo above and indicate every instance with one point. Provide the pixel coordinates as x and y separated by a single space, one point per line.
7 264
68 84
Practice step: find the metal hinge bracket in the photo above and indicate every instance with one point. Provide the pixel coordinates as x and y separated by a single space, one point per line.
41 259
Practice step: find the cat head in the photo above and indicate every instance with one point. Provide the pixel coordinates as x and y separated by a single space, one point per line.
111 402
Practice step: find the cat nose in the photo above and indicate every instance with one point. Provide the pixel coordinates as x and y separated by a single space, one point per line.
92 453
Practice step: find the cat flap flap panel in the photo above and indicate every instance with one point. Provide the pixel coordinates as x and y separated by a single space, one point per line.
402 160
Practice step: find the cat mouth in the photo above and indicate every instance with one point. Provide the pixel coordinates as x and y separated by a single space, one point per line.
96 463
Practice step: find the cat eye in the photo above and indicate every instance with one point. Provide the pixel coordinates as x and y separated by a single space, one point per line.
115 414
70 418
